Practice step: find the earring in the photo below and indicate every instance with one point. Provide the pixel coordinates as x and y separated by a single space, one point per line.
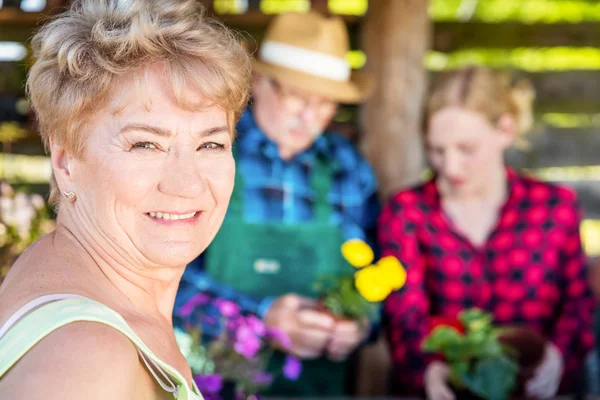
71 196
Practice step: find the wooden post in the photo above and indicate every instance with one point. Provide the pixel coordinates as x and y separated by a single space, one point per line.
395 36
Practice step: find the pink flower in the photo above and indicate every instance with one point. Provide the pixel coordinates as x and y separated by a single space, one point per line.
277 335
246 342
188 307
227 308
256 325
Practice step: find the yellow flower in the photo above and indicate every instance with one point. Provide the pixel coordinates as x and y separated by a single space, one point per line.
358 253
372 284
393 271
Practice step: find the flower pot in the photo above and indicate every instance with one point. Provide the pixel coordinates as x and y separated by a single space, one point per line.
464 394
530 347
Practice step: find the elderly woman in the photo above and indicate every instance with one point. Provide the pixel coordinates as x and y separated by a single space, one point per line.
137 102
481 235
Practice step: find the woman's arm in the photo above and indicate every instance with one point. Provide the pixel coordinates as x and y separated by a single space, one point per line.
572 333
406 312
82 360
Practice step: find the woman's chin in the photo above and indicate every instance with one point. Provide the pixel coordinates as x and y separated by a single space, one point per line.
174 254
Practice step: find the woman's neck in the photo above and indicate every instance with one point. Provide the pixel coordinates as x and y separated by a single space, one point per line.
493 192
149 290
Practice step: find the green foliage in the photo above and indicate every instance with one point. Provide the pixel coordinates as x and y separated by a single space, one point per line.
491 378
477 359
340 297
526 11
526 59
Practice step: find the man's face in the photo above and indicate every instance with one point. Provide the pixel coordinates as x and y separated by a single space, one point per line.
290 117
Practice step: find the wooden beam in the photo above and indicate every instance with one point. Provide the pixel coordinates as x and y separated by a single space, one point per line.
254 19
395 37
559 147
16 17
567 91
453 36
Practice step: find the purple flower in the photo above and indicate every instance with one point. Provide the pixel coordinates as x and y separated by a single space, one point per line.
209 383
188 307
292 368
281 337
234 323
263 378
246 342
227 308
256 325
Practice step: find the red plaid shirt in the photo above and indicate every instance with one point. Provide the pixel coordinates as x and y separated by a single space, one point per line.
530 272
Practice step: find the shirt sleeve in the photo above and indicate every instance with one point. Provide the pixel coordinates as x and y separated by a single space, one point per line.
196 295
573 332
406 312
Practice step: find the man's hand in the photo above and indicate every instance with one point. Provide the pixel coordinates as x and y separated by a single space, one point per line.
436 382
546 381
309 330
346 337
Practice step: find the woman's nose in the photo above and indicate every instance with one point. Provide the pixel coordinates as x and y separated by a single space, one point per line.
183 177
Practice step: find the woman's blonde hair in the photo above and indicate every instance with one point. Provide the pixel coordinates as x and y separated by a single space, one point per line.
82 54
487 92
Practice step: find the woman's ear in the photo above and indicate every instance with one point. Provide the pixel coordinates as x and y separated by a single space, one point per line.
61 164
507 127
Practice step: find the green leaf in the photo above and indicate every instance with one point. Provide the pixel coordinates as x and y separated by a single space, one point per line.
492 378
475 319
442 339
457 371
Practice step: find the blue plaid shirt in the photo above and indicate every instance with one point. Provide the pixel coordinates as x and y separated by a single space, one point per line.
278 190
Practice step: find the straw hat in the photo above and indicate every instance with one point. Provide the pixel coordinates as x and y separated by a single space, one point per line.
308 51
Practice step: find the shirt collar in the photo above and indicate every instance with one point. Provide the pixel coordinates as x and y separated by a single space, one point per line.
516 189
252 140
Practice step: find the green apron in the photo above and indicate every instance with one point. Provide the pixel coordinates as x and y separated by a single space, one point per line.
273 259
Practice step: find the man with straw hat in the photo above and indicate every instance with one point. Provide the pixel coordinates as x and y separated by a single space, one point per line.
299 194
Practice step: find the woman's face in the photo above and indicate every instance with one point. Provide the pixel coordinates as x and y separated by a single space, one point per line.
466 150
155 180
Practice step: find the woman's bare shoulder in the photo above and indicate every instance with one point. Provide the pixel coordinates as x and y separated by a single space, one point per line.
80 360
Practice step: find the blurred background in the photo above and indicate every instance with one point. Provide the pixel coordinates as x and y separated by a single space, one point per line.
405 43
555 43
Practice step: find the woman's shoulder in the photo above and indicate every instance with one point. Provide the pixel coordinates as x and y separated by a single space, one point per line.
550 193
421 196
81 357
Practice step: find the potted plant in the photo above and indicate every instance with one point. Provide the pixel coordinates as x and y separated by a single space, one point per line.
232 365
486 361
356 295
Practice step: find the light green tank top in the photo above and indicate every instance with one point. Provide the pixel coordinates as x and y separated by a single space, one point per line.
38 318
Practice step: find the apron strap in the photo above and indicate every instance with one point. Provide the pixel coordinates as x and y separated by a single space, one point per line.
236 202
320 181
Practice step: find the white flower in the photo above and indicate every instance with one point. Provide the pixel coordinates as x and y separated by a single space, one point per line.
6 205
38 202
23 218
6 189
21 200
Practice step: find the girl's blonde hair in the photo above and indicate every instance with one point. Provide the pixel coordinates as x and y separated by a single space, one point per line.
82 55
486 92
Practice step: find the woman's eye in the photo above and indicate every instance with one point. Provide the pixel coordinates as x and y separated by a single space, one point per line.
145 145
212 146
